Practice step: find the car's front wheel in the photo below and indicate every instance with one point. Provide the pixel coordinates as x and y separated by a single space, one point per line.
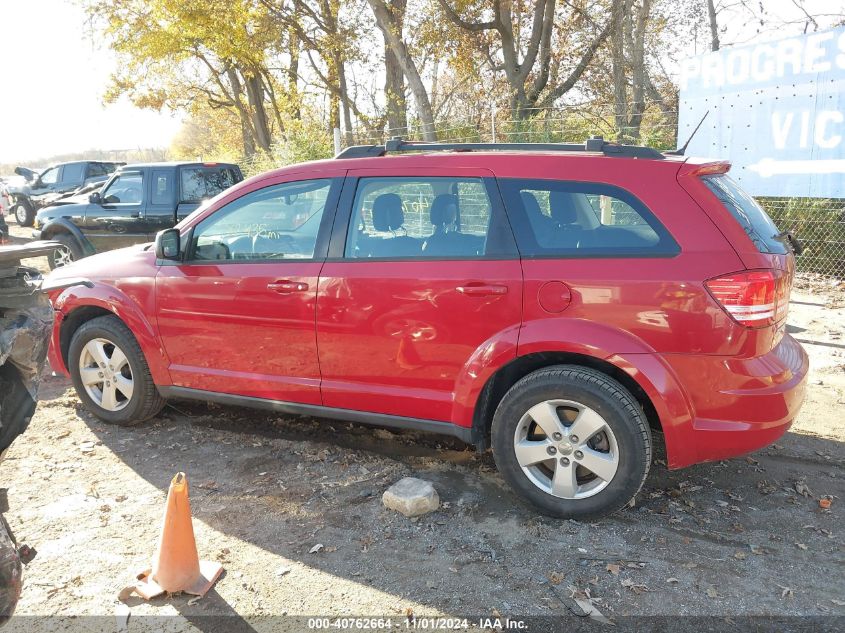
24 213
110 373
67 253
572 441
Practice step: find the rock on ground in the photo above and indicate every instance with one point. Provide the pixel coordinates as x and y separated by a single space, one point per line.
412 497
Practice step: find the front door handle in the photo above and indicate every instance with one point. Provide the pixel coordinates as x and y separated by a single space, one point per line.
284 286
480 290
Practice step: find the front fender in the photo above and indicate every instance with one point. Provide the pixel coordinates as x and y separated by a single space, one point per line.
123 307
55 226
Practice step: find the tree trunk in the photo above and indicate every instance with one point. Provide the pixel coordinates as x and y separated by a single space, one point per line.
293 73
255 96
344 101
394 82
393 37
620 83
714 26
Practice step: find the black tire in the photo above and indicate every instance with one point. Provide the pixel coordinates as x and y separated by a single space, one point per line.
72 251
145 401
622 414
23 212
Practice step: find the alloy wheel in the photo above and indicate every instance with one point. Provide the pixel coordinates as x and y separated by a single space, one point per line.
566 449
106 374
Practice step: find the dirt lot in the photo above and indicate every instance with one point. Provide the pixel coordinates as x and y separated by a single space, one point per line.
737 538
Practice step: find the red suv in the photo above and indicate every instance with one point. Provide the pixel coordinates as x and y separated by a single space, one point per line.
555 302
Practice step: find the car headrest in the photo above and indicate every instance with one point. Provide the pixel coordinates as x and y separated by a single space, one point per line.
562 207
530 204
438 213
387 212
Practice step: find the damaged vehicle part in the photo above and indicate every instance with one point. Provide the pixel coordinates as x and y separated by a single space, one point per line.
26 319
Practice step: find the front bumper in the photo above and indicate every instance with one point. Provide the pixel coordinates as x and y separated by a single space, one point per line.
738 405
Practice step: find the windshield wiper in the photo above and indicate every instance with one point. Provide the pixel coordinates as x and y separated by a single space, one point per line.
788 238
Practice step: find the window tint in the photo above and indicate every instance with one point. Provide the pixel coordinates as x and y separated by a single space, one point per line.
127 188
162 187
419 217
199 183
278 222
751 216
51 176
576 219
75 172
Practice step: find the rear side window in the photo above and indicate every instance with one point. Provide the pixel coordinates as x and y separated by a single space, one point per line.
750 215
555 218
200 183
74 172
162 187
435 217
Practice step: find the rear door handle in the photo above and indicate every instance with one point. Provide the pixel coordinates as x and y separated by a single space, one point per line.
283 286
479 290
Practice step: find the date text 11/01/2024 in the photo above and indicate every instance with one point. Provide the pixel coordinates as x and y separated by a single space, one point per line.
418 624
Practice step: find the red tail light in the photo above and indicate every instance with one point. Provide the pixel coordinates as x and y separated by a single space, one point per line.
756 298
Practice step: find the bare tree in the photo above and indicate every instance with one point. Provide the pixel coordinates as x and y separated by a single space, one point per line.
392 32
529 75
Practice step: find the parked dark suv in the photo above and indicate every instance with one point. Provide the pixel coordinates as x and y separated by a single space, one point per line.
41 189
556 302
136 203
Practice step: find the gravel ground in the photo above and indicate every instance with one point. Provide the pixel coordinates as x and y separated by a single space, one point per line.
744 537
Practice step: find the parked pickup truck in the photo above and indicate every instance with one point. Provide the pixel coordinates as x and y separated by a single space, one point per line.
136 203
42 189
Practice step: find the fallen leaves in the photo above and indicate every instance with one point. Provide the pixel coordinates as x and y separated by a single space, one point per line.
614 568
635 587
802 489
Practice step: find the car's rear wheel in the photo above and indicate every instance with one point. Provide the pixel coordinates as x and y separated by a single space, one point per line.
67 253
24 213
572 441
110 373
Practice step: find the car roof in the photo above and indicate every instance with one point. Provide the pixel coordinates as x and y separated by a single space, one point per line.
497 161
177 164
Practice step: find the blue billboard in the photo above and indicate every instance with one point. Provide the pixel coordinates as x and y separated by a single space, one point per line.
776 110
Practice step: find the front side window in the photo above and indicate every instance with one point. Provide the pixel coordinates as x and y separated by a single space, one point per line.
577 219
51 176
419 217
277 222
126 188
200 183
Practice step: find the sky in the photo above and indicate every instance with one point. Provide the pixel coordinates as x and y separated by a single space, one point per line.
54 77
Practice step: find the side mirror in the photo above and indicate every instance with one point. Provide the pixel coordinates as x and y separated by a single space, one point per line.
95 198
167 245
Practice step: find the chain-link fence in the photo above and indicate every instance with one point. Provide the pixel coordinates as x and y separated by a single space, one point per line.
818 222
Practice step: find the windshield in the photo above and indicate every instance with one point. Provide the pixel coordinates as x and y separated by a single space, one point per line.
751 216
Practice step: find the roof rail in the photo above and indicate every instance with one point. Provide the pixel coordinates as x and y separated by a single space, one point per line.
592 144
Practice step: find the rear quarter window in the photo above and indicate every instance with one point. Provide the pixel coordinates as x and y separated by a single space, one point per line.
201 182
757 224
554 218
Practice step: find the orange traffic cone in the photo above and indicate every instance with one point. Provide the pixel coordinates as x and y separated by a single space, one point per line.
176 565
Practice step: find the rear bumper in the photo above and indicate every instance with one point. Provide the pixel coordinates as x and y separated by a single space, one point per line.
737 405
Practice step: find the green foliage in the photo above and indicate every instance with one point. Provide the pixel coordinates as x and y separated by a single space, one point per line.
303 142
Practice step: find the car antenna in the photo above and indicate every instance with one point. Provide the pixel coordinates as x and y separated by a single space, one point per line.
680 151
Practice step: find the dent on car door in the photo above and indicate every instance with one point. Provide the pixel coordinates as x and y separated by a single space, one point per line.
424 273
237 316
